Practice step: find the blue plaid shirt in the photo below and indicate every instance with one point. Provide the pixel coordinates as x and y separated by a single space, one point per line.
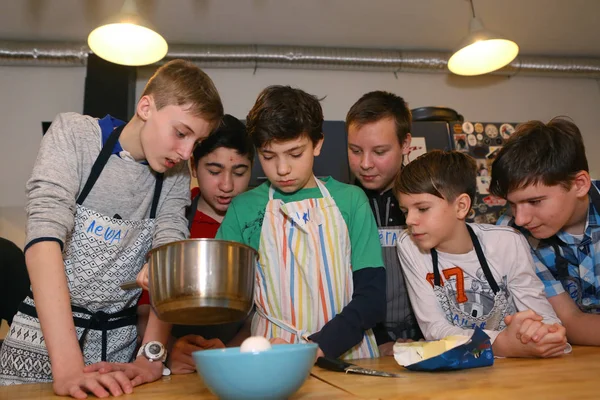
583 257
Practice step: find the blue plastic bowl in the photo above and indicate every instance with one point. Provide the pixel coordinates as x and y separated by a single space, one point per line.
271 374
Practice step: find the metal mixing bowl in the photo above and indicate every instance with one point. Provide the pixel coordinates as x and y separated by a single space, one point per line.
202 281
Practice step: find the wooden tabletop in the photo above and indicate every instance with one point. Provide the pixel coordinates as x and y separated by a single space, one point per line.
570 376
176 387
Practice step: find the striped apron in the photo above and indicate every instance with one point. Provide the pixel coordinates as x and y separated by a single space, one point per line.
304 274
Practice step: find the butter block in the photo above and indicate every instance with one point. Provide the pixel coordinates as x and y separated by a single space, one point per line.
410 353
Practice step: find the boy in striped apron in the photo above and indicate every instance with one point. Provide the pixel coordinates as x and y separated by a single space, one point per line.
320 274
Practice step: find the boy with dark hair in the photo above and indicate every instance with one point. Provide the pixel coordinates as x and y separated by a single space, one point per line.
222 164
461 276
319 275
543 173
102 194
379 126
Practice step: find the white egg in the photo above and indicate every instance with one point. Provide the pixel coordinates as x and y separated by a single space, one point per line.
255 344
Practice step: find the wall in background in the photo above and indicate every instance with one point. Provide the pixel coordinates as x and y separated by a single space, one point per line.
34 94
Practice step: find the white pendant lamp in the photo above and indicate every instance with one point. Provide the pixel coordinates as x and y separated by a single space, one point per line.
481 51
128 39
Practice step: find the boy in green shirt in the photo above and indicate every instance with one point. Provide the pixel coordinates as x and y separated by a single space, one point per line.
320 274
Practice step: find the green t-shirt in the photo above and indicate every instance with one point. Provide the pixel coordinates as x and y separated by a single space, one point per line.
244 218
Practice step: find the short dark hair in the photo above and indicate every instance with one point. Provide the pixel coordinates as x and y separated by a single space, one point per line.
374 106
284 113
231 134
445 174
551 154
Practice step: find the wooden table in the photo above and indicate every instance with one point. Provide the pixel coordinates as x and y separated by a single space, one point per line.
177 387
571 376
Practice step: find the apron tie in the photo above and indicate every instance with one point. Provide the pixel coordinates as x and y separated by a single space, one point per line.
98 321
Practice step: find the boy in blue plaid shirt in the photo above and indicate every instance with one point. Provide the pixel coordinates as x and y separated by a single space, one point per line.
543 173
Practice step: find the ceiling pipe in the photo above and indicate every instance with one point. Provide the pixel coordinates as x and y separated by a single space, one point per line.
16 53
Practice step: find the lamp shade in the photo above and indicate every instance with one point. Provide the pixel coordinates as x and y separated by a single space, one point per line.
481 52
127 39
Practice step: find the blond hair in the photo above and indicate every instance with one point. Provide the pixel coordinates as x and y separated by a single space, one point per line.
182 83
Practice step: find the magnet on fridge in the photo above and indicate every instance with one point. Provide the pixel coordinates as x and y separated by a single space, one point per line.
506 130
472 140
491 130
467 127
478 127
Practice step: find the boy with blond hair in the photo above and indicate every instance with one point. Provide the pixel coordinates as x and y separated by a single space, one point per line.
102 194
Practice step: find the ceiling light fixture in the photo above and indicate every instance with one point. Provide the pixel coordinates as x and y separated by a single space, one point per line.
481 51
128 39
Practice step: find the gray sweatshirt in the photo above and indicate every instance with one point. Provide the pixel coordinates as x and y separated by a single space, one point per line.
125 187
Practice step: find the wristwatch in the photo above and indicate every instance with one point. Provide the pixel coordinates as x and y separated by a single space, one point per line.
155 351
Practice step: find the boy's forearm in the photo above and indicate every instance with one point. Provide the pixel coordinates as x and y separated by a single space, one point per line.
366 309
156 330
53 305
583 329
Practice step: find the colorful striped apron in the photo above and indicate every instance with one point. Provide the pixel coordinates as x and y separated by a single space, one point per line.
304 274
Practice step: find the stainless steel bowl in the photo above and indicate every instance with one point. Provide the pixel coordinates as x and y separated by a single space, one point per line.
202 281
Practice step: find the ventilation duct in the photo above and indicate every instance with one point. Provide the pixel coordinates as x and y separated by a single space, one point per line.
13 53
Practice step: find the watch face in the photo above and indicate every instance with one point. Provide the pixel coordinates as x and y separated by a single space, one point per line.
154 349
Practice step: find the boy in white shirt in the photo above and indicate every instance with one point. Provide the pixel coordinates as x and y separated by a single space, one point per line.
461 275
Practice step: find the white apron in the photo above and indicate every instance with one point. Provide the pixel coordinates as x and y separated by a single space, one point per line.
101 253
304 274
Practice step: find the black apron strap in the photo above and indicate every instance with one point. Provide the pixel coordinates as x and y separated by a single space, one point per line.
483 262
480 256
99 321
192 211
157 190
437 281
100 162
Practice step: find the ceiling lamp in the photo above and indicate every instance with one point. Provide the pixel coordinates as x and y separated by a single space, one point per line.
127 39
481 51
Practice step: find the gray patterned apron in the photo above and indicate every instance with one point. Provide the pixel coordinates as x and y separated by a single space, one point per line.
101 253
490 319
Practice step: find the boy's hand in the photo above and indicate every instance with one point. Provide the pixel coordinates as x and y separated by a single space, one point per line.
181 360
510 341
142 277
138 372
99 384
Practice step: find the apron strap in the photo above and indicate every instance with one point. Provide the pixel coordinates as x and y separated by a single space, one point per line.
301 335
480 256
100 162
156 197
484 265
99 321
192 211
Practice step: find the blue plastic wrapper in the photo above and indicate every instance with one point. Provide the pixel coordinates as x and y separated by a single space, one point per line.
476 353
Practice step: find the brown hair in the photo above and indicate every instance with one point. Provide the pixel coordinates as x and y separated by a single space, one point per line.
284 113
445 174
182 83
551 154
374 106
